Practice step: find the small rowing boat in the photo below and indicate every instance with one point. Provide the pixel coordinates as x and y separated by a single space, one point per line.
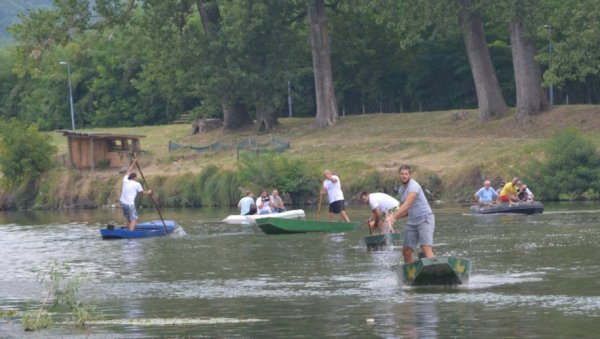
285 226
154 228
250 219
379 241
434 271
524 207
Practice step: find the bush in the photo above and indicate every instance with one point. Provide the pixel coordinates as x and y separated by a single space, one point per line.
292 177
372 181
25 153
570 169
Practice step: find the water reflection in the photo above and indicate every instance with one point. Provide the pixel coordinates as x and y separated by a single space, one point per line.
536 271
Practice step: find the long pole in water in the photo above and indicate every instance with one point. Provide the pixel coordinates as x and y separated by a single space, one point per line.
151 197
319 206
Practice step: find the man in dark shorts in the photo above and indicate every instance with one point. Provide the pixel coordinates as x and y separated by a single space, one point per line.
333 187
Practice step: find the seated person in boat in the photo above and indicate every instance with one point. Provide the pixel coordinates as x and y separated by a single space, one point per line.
246 204
276 202
486 195
263 203
509 192
383 207
501 186
524 193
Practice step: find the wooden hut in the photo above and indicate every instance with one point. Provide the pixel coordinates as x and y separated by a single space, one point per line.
88 151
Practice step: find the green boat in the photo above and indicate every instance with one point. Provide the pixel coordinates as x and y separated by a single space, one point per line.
434 271
286 226
379 241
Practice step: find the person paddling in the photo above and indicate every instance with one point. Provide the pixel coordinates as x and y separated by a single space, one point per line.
383 207
333 187
129 192
421 221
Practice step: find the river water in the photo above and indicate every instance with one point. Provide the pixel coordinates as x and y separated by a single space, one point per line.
533 276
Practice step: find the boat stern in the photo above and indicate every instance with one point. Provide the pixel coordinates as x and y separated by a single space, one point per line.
434 271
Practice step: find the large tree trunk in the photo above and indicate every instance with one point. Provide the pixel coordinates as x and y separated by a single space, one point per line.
531 97
235 113
327 110
489 95
266 119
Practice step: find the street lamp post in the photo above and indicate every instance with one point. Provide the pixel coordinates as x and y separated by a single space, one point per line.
551 88
70 93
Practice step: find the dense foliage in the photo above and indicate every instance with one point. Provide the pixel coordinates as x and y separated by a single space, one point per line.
149 62
25 153
291 177
571 169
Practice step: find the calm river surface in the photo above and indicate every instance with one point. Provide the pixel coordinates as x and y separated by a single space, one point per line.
533 276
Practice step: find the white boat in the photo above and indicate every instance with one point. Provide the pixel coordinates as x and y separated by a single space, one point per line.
249 219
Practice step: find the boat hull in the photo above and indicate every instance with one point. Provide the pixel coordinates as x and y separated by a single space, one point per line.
444 271
288 226
380 241
154 228
250 219
532 207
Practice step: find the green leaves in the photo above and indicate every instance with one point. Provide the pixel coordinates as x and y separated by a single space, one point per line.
571 168
267 171
25 153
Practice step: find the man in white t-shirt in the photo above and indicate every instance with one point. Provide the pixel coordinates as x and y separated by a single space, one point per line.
246 204
129 191
262 203
383 207
333 187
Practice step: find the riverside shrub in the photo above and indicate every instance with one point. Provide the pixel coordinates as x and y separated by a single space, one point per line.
571 169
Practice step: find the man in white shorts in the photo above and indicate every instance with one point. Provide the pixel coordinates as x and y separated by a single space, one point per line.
421 222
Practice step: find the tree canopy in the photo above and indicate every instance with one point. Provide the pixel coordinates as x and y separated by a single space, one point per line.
150 61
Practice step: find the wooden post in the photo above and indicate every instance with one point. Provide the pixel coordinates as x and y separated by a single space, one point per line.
92 155
71 161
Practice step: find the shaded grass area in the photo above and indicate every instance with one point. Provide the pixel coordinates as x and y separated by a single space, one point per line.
456 146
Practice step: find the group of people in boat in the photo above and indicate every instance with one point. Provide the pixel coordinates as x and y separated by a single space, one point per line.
507 192
264 204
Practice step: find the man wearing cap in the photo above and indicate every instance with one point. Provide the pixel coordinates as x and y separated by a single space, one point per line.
128 193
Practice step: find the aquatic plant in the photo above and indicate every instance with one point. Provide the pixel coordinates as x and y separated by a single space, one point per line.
62 293
34 320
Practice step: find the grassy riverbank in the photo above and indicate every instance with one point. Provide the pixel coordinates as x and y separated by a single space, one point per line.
453 148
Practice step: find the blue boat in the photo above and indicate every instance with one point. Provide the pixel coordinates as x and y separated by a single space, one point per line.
154 228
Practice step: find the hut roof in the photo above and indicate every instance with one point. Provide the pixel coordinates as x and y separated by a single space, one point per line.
99 135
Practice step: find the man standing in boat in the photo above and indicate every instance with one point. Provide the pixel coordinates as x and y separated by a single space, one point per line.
129 192
383 207
333 187
421 222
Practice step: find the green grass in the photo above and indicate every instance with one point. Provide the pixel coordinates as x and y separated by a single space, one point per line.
430 141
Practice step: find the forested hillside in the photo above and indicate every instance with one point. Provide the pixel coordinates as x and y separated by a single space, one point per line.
9 11
148 62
